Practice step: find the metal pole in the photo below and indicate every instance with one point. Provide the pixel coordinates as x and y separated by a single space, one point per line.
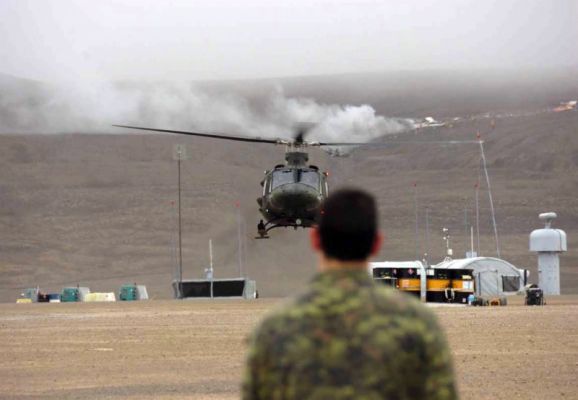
472 240
478 218
427 234
466 225
244 242
423 284
490 197
417 257
239 240
180 232
174 256
211 263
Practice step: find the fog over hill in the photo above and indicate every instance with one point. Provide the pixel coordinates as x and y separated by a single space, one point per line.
83 206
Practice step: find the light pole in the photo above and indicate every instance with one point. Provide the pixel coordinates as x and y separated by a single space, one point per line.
416 221
179 154
239 238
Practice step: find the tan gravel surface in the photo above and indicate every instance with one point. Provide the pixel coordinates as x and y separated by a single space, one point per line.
195 349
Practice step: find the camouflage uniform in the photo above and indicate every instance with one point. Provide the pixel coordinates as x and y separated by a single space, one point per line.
347 338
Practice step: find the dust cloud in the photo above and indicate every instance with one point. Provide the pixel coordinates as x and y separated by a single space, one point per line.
80 108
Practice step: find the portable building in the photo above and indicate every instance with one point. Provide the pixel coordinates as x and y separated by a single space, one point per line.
133 292
96 297
74 294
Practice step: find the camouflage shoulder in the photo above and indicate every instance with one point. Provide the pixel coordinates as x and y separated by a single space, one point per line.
275 318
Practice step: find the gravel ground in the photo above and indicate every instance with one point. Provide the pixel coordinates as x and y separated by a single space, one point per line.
195 349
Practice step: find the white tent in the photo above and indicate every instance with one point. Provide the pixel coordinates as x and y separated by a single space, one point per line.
493 277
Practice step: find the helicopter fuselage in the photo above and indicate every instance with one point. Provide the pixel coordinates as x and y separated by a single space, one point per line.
292 194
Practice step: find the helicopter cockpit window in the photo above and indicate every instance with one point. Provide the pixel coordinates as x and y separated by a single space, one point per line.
310 178
282 177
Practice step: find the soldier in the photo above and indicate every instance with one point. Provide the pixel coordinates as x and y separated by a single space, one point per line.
347 338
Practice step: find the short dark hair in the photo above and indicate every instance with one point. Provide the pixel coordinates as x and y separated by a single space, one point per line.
348 224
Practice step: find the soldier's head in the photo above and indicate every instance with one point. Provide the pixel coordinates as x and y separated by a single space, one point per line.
347 230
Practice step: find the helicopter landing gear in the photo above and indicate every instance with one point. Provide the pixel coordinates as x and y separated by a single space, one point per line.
262 230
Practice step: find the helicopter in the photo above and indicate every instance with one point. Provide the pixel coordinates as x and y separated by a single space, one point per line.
293 191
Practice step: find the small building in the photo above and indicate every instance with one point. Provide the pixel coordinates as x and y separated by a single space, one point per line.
492 276
96 297
133 292
74 294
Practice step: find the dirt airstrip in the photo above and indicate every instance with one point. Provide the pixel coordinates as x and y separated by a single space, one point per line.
195 349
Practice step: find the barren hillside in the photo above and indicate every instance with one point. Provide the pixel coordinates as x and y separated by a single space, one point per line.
98 209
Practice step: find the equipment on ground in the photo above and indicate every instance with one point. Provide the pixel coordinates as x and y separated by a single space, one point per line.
35 295
489 301
73 294
54 297
534 296
480 302
31 294
133 292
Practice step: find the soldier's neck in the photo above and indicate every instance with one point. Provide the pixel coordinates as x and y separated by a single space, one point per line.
331 264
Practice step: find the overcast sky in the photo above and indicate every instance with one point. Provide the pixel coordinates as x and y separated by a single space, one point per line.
212 39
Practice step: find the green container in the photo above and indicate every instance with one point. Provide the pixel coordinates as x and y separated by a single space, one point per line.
69 294
72 294
128 293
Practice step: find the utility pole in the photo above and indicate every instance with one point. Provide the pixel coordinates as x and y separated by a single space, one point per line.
179 154
417 255
211 264
239 238
466 224
427 235
447 238
472 240
180 226
478 218
174 255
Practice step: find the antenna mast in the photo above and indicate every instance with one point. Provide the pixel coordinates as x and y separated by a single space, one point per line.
416 221
179 154
484 164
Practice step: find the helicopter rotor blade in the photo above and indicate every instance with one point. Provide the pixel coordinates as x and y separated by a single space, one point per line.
209 135
386 144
